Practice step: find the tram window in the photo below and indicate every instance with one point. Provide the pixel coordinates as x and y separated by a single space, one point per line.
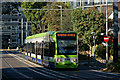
46 48
28 48
32 47
52 49
39 48
25 47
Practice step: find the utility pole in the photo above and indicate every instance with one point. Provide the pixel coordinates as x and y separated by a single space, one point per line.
21 31
74 7
106 30
115 32
0 25
80 3
61 18
26 28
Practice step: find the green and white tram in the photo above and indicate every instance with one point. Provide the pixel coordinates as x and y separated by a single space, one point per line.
54 49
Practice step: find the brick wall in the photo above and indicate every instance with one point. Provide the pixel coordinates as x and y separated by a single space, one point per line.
110 9
118 6
119 38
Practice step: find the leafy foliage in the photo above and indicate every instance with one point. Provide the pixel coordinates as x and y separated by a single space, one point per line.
87 21
101 51
113 67
34 16
52 18
54 28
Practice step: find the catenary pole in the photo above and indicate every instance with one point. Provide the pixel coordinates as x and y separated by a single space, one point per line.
115 32
22 31
74 7
106 30
26 29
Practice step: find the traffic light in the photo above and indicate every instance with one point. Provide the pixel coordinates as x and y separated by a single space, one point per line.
8 41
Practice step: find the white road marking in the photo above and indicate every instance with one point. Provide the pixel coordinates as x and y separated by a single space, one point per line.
16 70
40 70
34 70
45 68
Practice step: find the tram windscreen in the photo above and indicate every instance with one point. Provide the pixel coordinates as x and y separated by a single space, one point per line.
66 44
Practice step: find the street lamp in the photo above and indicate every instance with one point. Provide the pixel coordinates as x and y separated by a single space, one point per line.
106 30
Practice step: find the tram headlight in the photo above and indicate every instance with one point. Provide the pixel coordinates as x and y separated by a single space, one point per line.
74 60
58 60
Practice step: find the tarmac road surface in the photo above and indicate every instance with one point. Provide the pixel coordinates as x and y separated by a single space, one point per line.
16 67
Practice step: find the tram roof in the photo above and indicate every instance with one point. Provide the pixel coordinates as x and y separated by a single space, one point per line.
46 34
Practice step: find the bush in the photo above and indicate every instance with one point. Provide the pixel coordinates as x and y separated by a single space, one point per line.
83 57
101 51
83 47
113 67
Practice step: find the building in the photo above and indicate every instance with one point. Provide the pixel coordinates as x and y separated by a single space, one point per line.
15 28
101 6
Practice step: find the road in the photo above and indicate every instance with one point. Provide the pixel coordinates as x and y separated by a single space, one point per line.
16 67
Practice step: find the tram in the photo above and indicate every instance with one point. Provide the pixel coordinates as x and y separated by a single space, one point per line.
54 49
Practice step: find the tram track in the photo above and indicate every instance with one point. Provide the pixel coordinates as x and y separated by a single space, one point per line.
99 75
11 67
59 75
45 70
34 69
31 69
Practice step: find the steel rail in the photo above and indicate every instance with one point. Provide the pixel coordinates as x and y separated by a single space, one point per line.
53 72
58 76
33 70
99 75
15 69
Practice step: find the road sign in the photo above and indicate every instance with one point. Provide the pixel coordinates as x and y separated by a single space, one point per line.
93 37
106 38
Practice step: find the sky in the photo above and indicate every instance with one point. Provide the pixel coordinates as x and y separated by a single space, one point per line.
59 0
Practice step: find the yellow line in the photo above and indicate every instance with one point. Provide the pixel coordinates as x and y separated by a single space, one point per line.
8 49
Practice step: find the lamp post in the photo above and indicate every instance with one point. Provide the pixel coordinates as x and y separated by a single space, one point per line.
106 30
61 17
74 7
21 31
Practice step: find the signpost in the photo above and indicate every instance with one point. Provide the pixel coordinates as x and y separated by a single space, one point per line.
93 36
94 46
106 38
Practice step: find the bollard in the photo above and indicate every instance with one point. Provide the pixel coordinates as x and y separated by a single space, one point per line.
8 48
94 58
88 59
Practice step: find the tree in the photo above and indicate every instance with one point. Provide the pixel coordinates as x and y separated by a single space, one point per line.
34 16
87 21
7 7
52 18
